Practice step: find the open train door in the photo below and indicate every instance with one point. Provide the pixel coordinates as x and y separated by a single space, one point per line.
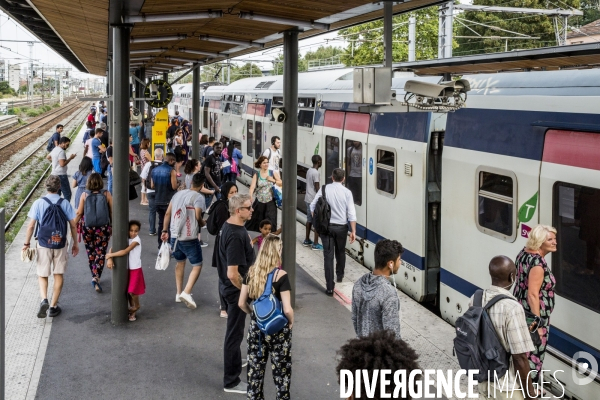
251 139
570 201
354 147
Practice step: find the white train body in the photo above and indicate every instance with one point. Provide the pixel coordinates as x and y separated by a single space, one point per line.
526 142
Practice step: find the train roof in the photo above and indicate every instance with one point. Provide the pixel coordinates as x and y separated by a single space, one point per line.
537 83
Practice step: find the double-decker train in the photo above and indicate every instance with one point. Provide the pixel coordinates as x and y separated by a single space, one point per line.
456 189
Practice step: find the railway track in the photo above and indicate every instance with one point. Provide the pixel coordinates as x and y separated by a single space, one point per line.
26 197
9 137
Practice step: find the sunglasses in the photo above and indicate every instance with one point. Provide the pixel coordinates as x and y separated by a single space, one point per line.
246 208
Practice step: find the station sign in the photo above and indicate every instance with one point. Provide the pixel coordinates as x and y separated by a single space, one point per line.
159 131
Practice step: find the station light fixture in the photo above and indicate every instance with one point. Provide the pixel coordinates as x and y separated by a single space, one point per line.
246 43
132 59
206 53
159 63
128 19
144 51
157 38
284 21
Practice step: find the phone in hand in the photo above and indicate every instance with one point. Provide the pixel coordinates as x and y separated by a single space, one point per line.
535 324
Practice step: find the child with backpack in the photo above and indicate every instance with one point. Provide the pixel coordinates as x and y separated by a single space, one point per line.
267 284
137 285
94 209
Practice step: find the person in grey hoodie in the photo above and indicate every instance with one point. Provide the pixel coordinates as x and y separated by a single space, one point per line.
375 303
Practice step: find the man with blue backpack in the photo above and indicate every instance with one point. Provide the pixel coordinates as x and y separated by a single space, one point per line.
51 214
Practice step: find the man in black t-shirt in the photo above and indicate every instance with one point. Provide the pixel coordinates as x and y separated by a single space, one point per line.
212 171
235 255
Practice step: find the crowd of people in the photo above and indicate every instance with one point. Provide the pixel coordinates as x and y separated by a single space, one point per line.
187 192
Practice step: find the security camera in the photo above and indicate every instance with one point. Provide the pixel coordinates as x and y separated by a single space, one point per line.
425 89
451 94
278 115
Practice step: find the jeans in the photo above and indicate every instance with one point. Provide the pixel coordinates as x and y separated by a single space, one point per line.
136 148
234 335
151 210
110 179
230 177
65 187
334 243
161 209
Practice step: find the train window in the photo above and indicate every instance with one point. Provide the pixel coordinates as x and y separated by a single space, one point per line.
226 108
354 169
205 115
306 102
386 172
277 101
332 156
250 138
305 118
576 262
496 196
258 136
301 187
236 109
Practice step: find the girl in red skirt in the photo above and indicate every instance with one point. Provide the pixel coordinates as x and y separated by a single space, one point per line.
136 286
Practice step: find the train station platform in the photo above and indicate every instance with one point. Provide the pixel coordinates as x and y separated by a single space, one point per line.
172 352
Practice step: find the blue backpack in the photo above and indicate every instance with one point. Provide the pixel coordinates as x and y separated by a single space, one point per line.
268 309
52 230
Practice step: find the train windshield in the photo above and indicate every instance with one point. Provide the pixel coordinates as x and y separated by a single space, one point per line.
576 263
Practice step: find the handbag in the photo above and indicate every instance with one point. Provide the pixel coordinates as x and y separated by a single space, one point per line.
277 193
164 256
268 309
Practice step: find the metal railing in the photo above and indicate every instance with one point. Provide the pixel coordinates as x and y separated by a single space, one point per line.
325 63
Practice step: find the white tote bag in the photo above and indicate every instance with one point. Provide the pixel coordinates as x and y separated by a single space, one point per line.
164 256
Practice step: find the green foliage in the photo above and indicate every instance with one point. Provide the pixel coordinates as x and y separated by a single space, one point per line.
46 108
14 111
24 109
591 12
33 112
245 71
56 105
531 25
5 89
366 40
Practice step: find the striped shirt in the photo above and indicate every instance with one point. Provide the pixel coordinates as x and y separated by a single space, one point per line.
508 318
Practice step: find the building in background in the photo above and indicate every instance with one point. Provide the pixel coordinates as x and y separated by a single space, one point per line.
3 71
589 33
14 78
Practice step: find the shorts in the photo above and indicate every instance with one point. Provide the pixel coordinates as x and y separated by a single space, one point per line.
51 261
96 164
189 249
308 213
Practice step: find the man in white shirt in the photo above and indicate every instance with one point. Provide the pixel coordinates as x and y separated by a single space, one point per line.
342 211
274 155
59 160
150 193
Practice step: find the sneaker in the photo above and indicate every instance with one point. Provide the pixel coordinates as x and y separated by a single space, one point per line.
223 314
152 234
307 243
203 244
187 299
317 247
244 362
177 298
44 306
54 311
241 387
204 227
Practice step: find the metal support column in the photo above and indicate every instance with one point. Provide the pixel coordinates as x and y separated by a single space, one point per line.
120 128
196 112
412 38
445 30
387 33
136 88
110 102
142 104
166 76
290 157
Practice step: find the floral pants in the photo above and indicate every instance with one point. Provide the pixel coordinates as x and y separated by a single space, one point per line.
96 244
260 346
536 357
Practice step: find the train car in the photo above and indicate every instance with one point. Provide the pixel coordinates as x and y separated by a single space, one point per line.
454 188
182 101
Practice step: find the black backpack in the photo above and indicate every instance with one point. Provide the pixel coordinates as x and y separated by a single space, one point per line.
476 344
211 223
95 210
322 214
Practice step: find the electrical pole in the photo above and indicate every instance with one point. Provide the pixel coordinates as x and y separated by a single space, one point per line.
412 37
30 90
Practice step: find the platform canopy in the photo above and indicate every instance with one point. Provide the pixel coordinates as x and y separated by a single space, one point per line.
576 56
167 35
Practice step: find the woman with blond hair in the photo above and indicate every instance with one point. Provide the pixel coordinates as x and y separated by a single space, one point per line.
278 345
534 288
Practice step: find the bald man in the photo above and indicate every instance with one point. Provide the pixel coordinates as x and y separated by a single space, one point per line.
508 318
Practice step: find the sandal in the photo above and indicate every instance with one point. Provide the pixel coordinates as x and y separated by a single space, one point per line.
132 317
223 314
97 286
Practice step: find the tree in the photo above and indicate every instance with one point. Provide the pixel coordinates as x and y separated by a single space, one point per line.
366 40
5 89
533 25
322 53
591 12
245 71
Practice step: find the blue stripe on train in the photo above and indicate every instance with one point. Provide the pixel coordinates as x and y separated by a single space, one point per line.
507 132
559 339
408 256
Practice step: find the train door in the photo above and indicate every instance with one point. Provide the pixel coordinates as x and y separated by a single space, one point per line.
249 139
570 201
205 117
333 126
354 147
